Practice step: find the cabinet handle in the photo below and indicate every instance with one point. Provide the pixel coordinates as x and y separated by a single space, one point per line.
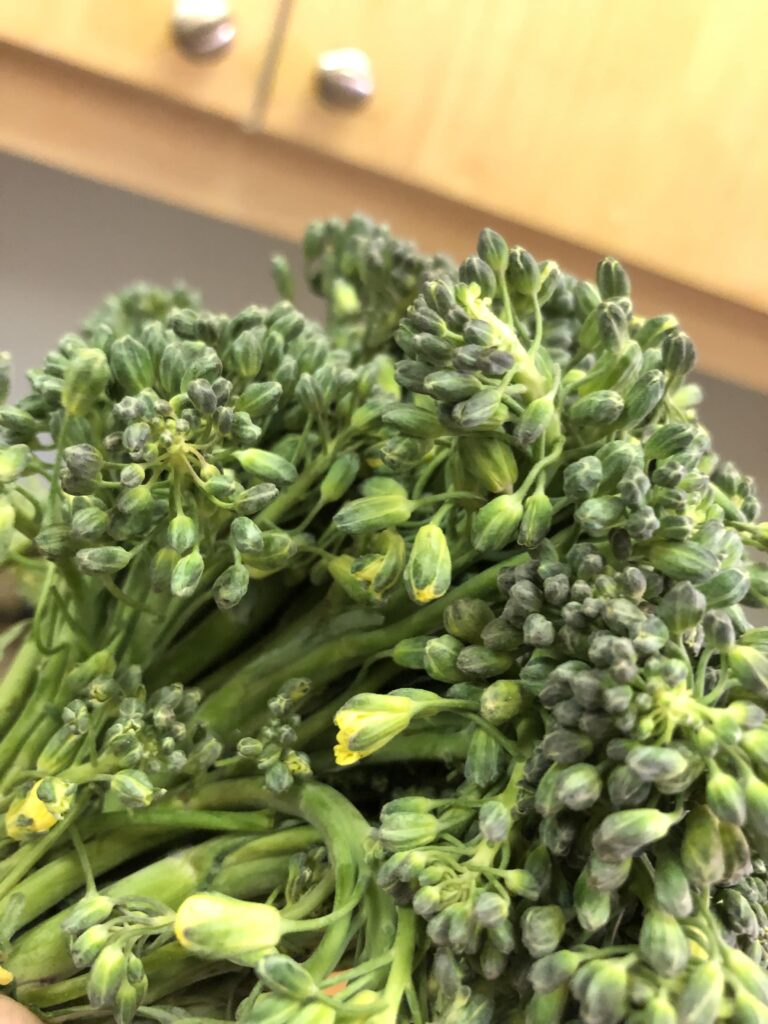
345 77
203 28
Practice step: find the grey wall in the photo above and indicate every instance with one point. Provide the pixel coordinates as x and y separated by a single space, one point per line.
65 242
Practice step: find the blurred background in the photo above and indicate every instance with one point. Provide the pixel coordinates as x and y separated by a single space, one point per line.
190 140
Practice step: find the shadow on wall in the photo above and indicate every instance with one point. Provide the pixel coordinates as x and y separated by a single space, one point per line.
66 242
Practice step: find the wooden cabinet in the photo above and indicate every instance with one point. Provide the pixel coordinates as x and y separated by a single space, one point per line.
635 128
131 41
575 127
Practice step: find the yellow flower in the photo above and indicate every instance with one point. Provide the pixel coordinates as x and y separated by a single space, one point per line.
369 721
5 976
39 809
214 926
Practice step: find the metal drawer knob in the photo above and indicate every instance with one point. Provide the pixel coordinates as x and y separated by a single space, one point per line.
345 77
203 28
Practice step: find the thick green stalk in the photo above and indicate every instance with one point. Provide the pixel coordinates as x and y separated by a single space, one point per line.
217 634
229 710
401 971
17 682
42 952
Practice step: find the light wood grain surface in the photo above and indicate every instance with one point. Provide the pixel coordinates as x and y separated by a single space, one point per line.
114 134
131 40
635 127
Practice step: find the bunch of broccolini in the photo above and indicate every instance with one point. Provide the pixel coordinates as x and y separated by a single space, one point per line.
472 528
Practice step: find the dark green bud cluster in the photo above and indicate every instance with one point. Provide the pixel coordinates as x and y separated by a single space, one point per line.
272 750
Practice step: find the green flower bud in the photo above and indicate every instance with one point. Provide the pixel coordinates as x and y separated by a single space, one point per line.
547 1007
89 523
484 761
59 751
128 998
719 631
519 882
428 570
663 944
494 821
599 408
254 499
492 248
737 854
612 279
187 573
534 421
271 467
702 850
604 327
246 535
728 587
496 523
554 970
542 928
466 619
687 561
202 396
54 541
682 607
669 440
625 833
536 520
106 974
85 380
161 569
671 886
259 399
340 477
407 830
725 797
607 875
757 596
597 515
283 975
131 364
523 274
750 666
678 354
87 946
476 660
490 462
749 974
231 587
88 911
605 997
451 386
579 786
108 560
756 792
501 701
645 395
566 747
592 906
501 635
410 653
215 927
582 478
362 515
440 659
18 423
182 533
654 763
13 461
132 788
701 998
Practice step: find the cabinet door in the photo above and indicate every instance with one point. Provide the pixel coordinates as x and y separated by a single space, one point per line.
635 128
132 41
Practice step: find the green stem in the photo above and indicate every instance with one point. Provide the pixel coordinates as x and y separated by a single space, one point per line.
230 708
401 971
